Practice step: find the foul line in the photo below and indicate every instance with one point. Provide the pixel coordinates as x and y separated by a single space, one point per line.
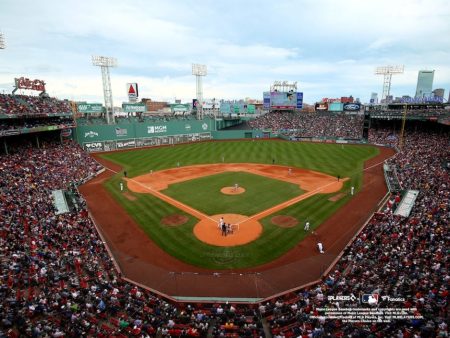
264 213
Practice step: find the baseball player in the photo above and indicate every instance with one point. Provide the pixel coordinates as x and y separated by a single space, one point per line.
320 247
121 186
306 227
236 187
352 191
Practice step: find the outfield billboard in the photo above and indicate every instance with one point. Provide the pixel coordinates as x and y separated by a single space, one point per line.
266 100
322 106
352 107
90 108
335 106
134 107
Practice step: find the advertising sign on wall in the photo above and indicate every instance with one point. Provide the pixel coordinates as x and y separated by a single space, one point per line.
133 92
134 107
352 107
323 106
90 108
266 98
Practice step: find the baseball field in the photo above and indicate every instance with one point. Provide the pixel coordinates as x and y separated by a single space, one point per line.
177 194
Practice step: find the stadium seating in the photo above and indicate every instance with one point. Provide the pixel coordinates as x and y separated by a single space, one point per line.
58 280
311 125
32 105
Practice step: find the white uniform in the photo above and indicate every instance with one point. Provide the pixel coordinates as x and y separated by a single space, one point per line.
306 228
121 186
320 247
352 190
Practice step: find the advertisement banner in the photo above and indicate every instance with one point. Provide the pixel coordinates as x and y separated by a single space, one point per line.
266 98
225 108
323 106
179 107
335 106
156 129
299 100
352 106
90 108
134 107
126 144
250 109
93 146
66 132
133 92
121 132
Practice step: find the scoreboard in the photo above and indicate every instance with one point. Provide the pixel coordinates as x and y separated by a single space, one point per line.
283 100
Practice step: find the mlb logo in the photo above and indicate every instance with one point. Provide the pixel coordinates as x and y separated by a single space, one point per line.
371 299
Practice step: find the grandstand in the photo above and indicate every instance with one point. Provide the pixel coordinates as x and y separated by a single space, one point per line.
58 278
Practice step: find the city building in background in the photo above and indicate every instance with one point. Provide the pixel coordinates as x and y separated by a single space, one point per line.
424 83
153 106
374 98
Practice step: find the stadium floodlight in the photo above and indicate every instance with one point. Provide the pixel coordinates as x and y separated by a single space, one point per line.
2 41
199 71
387 72
105 63
283 86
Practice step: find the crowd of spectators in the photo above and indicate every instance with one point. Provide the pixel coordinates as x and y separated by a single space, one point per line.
57 279
406 259
32 105
416 112
311 125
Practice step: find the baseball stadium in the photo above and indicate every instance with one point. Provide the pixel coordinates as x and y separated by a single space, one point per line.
222 218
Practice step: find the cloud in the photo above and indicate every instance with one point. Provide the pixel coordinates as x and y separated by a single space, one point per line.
331 48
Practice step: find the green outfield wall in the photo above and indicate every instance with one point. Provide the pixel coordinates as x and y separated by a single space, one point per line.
96 138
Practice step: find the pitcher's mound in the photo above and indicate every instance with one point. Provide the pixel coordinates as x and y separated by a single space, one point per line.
284 221
232 190
244 230
174 220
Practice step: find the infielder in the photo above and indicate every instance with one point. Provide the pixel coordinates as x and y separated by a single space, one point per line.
121 186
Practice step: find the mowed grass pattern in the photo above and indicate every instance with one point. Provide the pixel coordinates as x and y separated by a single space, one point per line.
260 194
333 159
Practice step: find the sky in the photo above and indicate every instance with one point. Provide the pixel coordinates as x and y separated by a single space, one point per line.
330 48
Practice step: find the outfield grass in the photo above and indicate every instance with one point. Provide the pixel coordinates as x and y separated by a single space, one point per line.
260 194
147 210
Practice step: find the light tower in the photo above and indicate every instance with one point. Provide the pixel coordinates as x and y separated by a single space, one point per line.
2 41
105 63
199 71
387 71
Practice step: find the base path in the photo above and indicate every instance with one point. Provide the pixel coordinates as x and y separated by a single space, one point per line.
311 181
143 261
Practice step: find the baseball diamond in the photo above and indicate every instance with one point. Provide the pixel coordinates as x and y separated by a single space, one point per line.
182 251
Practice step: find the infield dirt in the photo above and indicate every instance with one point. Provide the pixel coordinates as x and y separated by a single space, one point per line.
143 261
